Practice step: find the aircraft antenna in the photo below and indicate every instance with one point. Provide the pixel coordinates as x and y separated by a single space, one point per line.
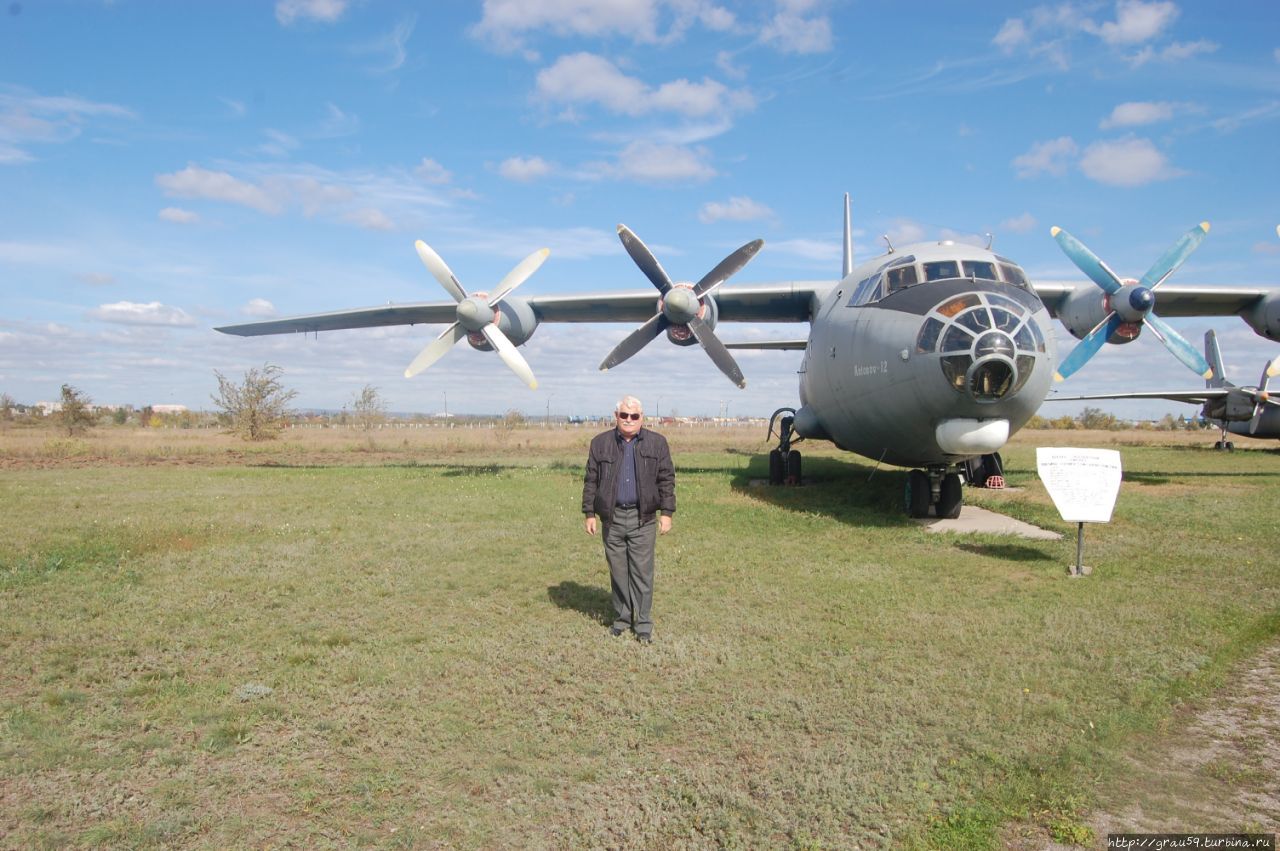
885 237
848 240
990 241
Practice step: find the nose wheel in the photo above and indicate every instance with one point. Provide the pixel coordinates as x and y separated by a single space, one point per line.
784 462
938 489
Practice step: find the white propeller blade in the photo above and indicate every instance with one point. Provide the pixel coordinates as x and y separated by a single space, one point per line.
440 270
436 349
510 356
519 274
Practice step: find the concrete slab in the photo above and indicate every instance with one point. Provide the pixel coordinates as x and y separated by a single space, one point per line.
974 519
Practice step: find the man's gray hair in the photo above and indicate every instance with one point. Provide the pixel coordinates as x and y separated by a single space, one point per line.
629 402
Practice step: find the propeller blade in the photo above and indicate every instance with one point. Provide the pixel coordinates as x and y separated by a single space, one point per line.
719 354
436 349
635 341
1181 349
644 258
728 267
1261 396
1173 258
1088 347
440 270
519 274
509 354
1086 261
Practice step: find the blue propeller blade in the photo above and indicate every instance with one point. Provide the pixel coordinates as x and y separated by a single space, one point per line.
1181 349
1172 259
1088 347
1086 261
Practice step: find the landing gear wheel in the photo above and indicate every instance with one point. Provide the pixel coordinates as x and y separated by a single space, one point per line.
793 467
1219 446
917 494
951 497
775 467
1231 447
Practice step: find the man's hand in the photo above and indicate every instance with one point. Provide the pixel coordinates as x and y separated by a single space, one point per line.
591 524
664 524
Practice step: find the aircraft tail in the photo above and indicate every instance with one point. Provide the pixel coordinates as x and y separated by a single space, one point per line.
848 240
1213 355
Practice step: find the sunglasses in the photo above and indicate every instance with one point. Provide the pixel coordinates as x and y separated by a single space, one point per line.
623 415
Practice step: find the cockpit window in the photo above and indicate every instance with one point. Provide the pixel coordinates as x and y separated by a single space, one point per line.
980 269
1013 275
865 290
903 276
941 270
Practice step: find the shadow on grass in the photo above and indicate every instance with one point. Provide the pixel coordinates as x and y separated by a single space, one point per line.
1006 552
593 601
850 493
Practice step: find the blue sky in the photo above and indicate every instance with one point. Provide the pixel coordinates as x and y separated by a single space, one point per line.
170 167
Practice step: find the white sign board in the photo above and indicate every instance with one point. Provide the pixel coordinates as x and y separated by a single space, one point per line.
1082 482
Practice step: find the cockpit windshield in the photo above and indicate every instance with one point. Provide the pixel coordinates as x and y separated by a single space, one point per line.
905 272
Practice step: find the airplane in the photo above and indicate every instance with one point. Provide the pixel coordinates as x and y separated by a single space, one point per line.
1246 411
928 356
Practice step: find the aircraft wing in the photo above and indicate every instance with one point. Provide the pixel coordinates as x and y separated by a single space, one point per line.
1194 397
792 301
1173 299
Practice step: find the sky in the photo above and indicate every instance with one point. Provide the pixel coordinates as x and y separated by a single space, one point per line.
166 168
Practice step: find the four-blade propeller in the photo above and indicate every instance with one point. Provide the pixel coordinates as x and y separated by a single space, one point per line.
1260 396
1131 302
680 306
477 314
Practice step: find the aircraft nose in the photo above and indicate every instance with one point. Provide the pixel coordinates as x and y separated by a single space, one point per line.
987 345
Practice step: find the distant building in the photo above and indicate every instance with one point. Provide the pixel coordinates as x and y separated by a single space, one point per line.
168 409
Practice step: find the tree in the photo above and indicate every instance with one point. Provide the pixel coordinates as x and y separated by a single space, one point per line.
368 408
255 408
76 414
1096 418
6 407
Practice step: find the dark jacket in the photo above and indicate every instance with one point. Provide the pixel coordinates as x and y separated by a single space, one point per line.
655 475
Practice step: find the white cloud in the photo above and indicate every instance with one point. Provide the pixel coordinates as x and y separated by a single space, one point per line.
97 279
259 307
505 22
737 209
27 118
585 78
902 231
337 123
1264 112
1051 157
651 163
430 171
278 144
1137 21
370 219
524 169
1175 52
325 11
178 216
1138 113
795 29
134 313
1019 224
1013 34
391 50
196 182
1126 162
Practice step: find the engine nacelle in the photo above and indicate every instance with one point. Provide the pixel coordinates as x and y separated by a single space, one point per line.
515 319
707 312
1264 317
1081 312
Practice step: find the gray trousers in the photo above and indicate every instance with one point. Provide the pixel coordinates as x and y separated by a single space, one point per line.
628 547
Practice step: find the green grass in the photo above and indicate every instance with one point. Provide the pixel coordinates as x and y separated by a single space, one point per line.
825 672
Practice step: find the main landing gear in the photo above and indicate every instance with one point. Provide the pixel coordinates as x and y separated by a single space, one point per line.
784 462
1224 445
938 488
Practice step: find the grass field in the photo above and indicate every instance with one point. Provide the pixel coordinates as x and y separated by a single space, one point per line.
400 641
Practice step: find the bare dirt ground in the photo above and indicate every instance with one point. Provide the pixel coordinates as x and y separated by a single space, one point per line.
1214 768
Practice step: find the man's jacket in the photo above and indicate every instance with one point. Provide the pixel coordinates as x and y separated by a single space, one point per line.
655 475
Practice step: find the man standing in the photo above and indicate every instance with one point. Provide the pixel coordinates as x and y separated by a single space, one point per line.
630 483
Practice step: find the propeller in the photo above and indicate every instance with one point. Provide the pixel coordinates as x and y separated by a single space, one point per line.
681 306
477 314
1260 396
1131 302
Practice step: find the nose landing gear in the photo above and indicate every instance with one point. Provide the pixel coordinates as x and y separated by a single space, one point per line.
939 488
784 462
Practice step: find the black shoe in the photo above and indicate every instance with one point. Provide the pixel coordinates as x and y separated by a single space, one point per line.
615 631
645 639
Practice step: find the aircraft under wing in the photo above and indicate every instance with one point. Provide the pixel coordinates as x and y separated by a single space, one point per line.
1175 299
793 301
1195 397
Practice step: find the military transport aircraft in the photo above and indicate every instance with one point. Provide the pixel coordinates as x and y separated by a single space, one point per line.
928 356
1247 411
